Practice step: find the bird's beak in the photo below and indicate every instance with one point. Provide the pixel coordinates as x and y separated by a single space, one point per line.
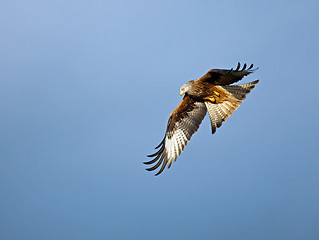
181 92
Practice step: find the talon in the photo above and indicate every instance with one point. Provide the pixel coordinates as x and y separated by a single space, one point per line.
212 99
217 93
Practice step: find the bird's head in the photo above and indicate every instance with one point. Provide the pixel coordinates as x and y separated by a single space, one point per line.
184 89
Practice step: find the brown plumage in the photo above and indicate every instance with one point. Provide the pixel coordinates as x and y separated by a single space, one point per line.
213 93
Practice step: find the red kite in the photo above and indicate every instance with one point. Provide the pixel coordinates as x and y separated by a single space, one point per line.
213 93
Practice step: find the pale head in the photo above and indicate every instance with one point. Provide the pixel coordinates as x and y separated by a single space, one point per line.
185 88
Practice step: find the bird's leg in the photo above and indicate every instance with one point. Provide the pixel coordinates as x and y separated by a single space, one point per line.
214 96
211 99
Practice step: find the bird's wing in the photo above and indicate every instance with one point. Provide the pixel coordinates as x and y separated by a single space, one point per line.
184 121
235 94
227 76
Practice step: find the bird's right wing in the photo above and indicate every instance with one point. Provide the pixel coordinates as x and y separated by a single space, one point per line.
235 94
184 121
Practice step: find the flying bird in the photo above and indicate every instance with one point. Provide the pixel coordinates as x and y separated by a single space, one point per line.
211 93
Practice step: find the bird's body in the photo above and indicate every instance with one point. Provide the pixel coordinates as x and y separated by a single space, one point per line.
211 93
198 89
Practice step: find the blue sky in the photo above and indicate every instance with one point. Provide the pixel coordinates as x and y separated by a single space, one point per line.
86 89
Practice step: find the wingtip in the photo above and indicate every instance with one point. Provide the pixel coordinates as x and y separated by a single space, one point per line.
162 168
244 68
255 82
161 143
238 66
253 70
148 163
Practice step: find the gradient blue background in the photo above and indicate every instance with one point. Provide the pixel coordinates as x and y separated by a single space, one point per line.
86 89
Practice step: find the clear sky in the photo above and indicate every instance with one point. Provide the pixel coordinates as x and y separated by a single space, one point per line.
86 89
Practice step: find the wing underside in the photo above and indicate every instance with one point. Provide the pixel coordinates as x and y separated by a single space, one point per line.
183 123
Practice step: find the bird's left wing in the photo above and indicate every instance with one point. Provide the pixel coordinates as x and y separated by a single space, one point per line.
227 76
184 121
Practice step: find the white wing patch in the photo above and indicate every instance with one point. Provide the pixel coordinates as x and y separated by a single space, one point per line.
175 145
174 142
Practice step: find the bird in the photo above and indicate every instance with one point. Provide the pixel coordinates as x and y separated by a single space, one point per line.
212 93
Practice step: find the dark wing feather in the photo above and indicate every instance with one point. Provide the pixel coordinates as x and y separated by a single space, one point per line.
182 124
227 76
